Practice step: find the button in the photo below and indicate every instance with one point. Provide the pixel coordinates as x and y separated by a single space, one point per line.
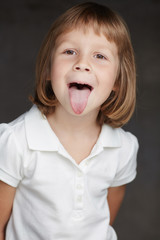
79 198
80 174
79 186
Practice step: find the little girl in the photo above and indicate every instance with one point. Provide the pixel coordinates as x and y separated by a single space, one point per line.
64 164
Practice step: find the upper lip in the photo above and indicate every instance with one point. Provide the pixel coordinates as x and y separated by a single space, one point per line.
81 80
80 85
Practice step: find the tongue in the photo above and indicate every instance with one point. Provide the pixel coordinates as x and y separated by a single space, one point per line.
78 99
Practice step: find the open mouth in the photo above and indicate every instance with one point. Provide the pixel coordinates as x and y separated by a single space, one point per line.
80 86
79 94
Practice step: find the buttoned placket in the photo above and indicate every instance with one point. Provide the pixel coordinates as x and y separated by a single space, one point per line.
79 192
80 178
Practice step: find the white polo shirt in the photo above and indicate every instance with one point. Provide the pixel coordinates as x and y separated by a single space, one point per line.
57 199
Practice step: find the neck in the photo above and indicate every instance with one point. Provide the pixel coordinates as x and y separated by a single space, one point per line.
72 124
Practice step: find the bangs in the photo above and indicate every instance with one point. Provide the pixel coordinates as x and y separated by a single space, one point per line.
101 20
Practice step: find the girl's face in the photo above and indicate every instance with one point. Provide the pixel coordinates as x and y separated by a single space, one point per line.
83 71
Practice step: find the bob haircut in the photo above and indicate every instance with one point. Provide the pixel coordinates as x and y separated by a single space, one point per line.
119 107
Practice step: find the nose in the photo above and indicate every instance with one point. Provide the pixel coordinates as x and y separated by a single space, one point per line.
82 66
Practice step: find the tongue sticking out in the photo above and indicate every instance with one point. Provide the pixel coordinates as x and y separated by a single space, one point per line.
79 95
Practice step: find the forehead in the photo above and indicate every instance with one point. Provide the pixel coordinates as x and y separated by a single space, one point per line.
87 34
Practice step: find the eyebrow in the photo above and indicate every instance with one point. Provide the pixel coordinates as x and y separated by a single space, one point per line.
100 47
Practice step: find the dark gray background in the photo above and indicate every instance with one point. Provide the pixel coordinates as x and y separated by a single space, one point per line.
23 25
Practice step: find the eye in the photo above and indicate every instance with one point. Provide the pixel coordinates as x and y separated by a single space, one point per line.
100 56
70 52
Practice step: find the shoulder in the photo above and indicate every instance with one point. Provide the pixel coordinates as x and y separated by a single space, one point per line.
9 128
127 138
12 148
14 133
127 154
121 142
117 138
126 157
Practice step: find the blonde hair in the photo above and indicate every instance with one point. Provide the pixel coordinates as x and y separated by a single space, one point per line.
119 106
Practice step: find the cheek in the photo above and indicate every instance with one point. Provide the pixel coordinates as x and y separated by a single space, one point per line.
58 78
59 69
54 70
108 78
113 75
54 79
56 75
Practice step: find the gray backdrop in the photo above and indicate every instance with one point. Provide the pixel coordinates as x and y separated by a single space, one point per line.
23 25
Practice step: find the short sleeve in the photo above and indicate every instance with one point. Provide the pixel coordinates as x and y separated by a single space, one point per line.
126 170
10 157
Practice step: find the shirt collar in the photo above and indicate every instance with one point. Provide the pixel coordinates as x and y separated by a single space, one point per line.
39 134
109 137
41 137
